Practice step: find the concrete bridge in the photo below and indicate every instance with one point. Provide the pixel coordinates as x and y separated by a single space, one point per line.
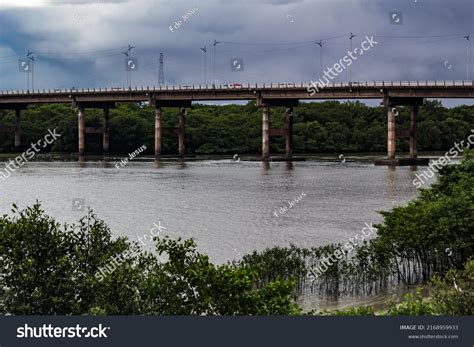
392 93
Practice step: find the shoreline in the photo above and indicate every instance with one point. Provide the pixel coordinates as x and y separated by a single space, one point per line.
325 157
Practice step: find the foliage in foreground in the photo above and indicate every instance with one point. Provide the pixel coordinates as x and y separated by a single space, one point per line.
51 269
451 295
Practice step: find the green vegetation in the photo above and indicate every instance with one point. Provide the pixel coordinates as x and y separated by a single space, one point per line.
451 295
350 311
47 268
325 127
429 236
454 294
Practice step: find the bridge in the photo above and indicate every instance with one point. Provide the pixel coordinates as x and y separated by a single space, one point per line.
392 93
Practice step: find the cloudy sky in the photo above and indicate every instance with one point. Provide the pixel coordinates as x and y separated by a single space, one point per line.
79 42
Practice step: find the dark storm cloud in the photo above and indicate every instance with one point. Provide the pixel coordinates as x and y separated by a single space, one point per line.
80 42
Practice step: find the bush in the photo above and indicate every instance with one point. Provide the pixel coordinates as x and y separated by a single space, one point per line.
48 269
413 305
454 294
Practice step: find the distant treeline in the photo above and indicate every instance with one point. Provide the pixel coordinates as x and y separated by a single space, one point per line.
325 127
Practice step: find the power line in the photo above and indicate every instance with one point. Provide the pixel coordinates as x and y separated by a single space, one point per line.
283 44
265 50
82 58
414 37
9 56
461 35
67 55
80 53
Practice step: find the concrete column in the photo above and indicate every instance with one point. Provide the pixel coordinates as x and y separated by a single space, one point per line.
17 130
157 132
266 133
391 139
413 131
105 134
81 124
289 133
181 147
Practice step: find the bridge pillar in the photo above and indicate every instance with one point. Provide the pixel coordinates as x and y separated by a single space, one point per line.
81 125
105 134
391 139
289 132
17 129
181 119
157 132
413 131
266 132
392 134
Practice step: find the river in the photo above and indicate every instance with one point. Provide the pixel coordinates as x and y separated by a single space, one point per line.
229 207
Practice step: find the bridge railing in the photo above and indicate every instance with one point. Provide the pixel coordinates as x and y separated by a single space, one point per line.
248 86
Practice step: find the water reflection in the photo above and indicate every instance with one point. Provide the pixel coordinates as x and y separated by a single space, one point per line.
106 164
266 167
158 163
181 164
82 161
220 202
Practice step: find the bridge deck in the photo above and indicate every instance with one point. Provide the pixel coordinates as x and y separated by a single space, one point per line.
296 91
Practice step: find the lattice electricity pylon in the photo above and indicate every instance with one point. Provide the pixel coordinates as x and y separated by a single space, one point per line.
161 75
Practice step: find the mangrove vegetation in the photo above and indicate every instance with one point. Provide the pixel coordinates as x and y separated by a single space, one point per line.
48 268
323 127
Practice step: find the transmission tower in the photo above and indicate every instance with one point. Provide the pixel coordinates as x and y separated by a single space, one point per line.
161 75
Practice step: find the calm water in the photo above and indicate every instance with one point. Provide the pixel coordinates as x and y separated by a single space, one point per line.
227 207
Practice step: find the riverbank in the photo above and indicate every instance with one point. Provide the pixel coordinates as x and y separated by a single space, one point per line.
325 157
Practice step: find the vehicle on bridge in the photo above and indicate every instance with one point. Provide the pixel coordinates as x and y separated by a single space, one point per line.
233 85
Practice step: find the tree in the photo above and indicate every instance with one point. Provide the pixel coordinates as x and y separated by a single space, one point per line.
79 269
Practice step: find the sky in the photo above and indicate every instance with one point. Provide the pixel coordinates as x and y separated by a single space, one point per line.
80 43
